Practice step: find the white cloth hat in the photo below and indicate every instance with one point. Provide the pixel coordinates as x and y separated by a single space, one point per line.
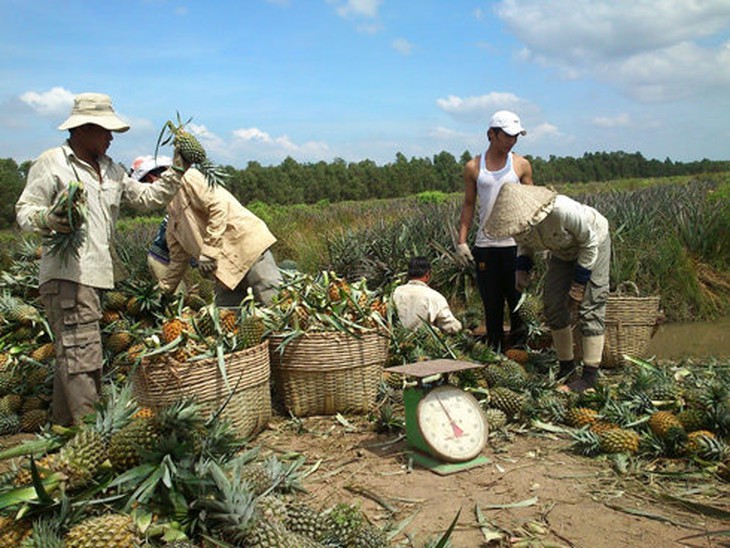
519 207
508 122
94 108
142 165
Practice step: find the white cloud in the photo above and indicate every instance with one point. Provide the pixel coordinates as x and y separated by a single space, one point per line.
402 46
53 103
480 108
621 120
441 132
356 8
650 49
264 144
543 130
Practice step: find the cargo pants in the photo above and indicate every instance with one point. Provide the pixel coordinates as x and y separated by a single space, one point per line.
73 312
592 311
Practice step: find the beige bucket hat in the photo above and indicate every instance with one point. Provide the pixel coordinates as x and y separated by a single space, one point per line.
519 207
94 108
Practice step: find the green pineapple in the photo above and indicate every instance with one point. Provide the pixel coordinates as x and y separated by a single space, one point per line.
510 402
496 419
9 424
11 403
305 520
115 300
104 531
127 444
72 205
692 420
507 373
272 508
81 457
252 330
190 149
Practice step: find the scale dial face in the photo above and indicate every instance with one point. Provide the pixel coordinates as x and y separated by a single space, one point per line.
452 424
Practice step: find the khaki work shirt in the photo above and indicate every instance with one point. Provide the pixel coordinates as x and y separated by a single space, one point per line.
571 232
212 222
416 303
50 175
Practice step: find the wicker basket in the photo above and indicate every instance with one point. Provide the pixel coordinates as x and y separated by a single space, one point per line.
630 324
248 409
328 373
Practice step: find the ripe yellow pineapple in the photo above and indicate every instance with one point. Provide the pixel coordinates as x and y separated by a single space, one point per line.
229 320
663 423
173 328
578 417
104 531
13 532
619 440
44 352
517 355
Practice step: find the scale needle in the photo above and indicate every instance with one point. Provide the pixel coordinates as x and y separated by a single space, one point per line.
458 432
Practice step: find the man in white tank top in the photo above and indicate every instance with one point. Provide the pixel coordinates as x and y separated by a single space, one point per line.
495 258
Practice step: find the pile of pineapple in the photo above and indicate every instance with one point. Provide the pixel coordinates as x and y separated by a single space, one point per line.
325 302
171 477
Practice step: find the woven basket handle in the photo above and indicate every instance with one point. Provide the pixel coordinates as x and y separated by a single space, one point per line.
627 287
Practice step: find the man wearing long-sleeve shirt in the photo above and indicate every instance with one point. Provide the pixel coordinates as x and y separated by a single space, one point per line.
70 286
417 303
229 242
577 278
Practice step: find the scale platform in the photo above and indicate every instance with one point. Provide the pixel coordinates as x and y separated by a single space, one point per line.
423 452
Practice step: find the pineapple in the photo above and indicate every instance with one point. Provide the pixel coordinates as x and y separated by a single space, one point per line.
81 457
31 421
600 426
517 355
665 424
71 204
127 444
11 403
43 353
692 420
9 424
305 520
705 445
508 373
578 417
496 419
115 301
252 330
14 532
173 328
190 149
257 477
508 401
228 320
104 531
272 508
44 465
619 440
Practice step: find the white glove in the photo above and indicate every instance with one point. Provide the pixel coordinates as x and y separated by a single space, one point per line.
207 265
55 221
464 253
522 280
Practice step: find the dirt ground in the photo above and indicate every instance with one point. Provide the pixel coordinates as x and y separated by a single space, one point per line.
558 498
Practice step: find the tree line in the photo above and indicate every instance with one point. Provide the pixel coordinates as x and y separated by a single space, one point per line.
292 182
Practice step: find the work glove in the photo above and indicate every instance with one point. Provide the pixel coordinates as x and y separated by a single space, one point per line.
207 265
522 280
463 253
178 162
55 221
575 297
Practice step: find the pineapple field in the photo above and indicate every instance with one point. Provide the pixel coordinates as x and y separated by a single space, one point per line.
642 459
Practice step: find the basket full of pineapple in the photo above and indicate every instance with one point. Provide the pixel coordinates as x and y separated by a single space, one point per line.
328 346
216 356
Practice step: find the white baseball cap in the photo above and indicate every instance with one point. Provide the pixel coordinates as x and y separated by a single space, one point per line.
142 165
508 122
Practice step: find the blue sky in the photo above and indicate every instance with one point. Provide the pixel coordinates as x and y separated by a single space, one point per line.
366 79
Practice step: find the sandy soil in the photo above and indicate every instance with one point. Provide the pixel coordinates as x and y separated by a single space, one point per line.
570 500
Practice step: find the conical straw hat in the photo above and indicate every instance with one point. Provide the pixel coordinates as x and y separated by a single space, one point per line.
519 207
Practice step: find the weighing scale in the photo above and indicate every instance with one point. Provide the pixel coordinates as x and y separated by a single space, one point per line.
445 426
